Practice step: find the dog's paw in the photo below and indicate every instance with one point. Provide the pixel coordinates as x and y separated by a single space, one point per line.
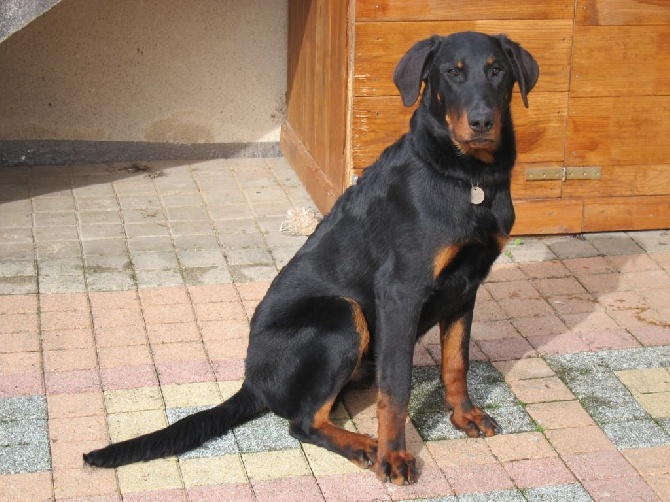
399 467
475 423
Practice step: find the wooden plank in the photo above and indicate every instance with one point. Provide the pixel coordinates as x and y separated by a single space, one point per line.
554 216
622 181
430 10
626 213
626 130
522 189
378 122
622 12
621 61
379 46
308 170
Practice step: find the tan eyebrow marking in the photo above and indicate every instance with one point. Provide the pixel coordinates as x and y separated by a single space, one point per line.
459 64
490 60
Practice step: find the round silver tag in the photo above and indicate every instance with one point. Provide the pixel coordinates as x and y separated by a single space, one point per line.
476 195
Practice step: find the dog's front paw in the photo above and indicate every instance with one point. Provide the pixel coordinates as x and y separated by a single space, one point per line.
399 467
475 423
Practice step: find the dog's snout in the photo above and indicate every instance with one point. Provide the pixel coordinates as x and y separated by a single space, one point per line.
480 119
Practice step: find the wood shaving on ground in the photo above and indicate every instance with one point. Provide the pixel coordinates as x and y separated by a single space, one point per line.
300 221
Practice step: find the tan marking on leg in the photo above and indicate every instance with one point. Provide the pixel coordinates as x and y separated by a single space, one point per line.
443 258
361 328
501 241
393 459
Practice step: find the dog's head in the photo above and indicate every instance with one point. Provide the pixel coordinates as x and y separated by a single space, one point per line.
469 78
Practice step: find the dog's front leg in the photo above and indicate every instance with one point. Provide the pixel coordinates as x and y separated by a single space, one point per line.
455 341
396 335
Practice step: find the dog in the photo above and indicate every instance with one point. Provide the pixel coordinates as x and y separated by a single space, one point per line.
403 250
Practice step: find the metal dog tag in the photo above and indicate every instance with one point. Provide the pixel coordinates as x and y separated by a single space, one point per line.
476 195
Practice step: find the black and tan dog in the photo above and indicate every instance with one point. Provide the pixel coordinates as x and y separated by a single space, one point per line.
403 250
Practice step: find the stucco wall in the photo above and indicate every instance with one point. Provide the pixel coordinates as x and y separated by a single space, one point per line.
202 71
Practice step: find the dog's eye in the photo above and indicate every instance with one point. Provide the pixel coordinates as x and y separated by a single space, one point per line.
453 72
495 71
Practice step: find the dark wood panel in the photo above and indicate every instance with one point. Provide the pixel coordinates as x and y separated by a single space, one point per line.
379 46
621 61
622 12
430 10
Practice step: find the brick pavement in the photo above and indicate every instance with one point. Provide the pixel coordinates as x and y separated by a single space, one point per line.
125 297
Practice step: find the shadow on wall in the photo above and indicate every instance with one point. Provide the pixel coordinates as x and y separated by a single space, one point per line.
99 81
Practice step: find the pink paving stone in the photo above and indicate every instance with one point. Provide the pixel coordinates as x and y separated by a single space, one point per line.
213 293
653 336
158 496
70 360
234 348
19 323
604 283
185 372
18 304
71 382
651 279
504 350
565 343
106 300
124 336
65 320
559 415
610 339
233 492
67 454
559 286
115 357
622 300
432 483
115 318
590 266
422 357
591 321
526 307
19 342
83 482
166 353
128 377
67 339
583 303
24 384
19 362
359 486
622 489
90 428
224 330
250 307
219 311
493 330
511 290
182 312
478 478
540 326
33 486
83 404
504 272
101 498
64 302
228 369
599 465
544 269
489 311
163 296
252 290
663 259
538 472
633 263
302 488
173 332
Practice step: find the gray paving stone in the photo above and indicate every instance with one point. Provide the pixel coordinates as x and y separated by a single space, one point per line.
247 273
18 285
657 241
150 244
15 219
61 266
219 446
67 233
158 278
151 229
642 433
250 256
148 201
53 204
216 194
188 213
202 258
23 408
647 357
529 250
230 211
573 247
267 432
16 235
17 268
48 219
110 281
495 496
148 215
98 203
195 242
116 246
559 493
62 284
58 249
242 240
30 457
197 276
24 439
614 243
162 260
232 227
16 250
179 228
99 217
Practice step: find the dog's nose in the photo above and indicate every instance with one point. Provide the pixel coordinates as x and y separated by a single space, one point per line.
481 119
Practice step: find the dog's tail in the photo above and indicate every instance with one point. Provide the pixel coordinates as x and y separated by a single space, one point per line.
183 435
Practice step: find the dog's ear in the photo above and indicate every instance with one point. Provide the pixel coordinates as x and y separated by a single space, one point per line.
526 69
413 68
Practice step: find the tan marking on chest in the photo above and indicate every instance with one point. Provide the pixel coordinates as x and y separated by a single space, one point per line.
443 258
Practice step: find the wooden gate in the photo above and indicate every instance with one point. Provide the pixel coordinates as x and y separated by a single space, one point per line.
594 146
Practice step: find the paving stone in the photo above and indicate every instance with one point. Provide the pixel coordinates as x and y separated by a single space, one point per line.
219 446
640 433
559 493
267 432
494 496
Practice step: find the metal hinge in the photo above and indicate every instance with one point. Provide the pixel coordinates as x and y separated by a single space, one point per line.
562 173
